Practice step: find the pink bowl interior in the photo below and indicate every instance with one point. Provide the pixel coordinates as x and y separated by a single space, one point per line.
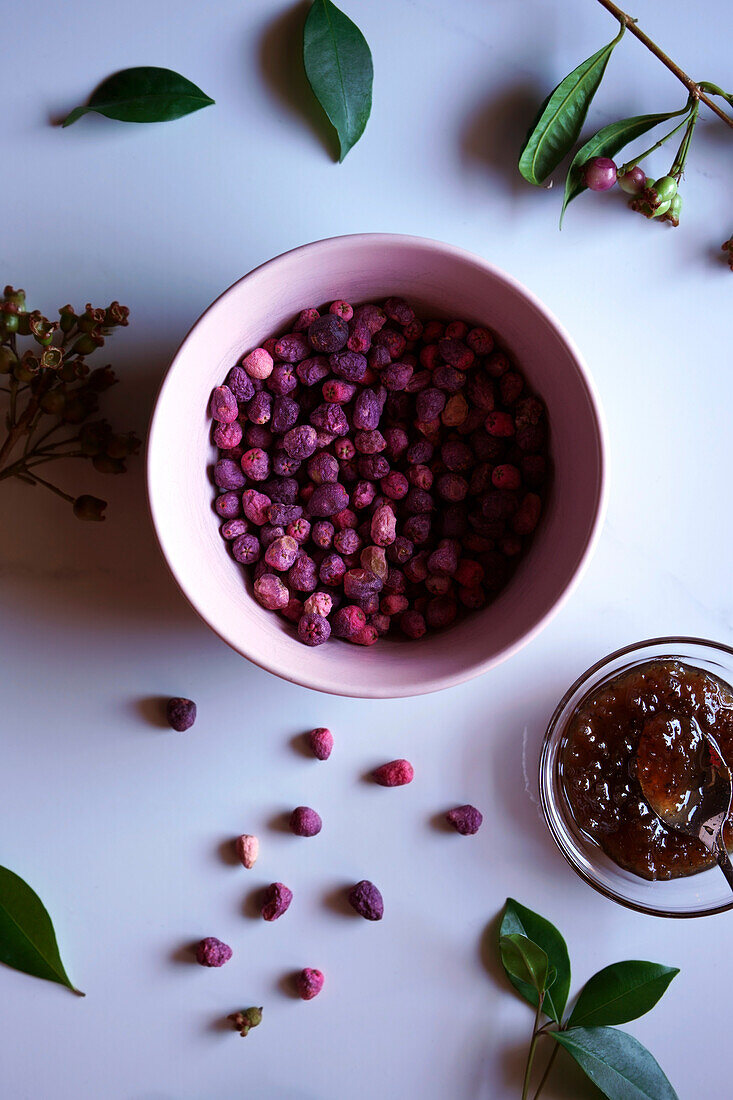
439 280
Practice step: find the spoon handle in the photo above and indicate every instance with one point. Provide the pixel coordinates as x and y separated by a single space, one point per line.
723 861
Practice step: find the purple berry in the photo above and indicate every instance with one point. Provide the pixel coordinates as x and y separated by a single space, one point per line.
313 629
321 742
305 822
328 334
212 952
466 820
181 714
599 174
366 900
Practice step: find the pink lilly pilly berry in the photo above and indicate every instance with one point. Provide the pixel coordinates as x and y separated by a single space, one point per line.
309 983
398 773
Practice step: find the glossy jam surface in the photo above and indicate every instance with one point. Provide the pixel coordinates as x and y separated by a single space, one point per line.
599 764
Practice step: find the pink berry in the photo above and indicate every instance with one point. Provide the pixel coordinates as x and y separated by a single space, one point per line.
395 774
258 364
309 983
633 181
277 901
599 174
212 952
321 742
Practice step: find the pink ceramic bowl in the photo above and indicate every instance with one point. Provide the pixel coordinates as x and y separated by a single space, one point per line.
440 280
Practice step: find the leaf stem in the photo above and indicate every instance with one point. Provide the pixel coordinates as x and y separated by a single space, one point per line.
692 86
657 145
679 161
546 1074
532 1048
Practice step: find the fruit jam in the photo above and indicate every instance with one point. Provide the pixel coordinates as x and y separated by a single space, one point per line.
599 763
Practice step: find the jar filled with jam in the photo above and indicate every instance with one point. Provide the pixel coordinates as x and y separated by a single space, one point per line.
599 765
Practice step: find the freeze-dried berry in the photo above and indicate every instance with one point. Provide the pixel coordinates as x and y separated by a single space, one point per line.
347 621
248 849
212 952
228 505
413 624
395 774
181 713
466 820
240 384
271 592
228 474
328 500
277 901
321 742
256 506
223 405
300 442
305 822
258 364
309 983
418 439
227 436
303 574
292 348
366 900
246 549
360 583
313 629
319 603
313 370
328 334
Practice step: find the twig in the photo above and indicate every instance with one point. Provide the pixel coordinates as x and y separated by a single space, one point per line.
692 86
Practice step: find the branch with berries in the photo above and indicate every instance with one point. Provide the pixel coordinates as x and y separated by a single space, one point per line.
594 168
53 396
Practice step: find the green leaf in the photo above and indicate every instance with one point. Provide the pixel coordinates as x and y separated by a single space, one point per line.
338 64
144 94
524 960
621 992
616 1063
518 919
27 938
607 143
557 129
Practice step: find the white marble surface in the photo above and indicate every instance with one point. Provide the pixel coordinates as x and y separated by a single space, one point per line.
119 823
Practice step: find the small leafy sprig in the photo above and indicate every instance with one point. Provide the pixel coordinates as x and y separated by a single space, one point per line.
27 937
557 128
535 958
51 381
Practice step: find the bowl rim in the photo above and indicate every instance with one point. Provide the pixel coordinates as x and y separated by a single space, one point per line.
565 848
313 679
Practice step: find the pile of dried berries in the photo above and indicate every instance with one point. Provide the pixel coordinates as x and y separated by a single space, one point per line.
377 471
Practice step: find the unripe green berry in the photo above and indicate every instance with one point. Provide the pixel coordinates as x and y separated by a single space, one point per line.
662 209
666 188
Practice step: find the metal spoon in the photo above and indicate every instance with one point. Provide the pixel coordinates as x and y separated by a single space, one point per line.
686 782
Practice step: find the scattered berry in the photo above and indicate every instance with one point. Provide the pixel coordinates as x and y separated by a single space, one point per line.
212 952
321 742
305 822
181 714
277 901
395 774
248 848
309 983
366 900
466 820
